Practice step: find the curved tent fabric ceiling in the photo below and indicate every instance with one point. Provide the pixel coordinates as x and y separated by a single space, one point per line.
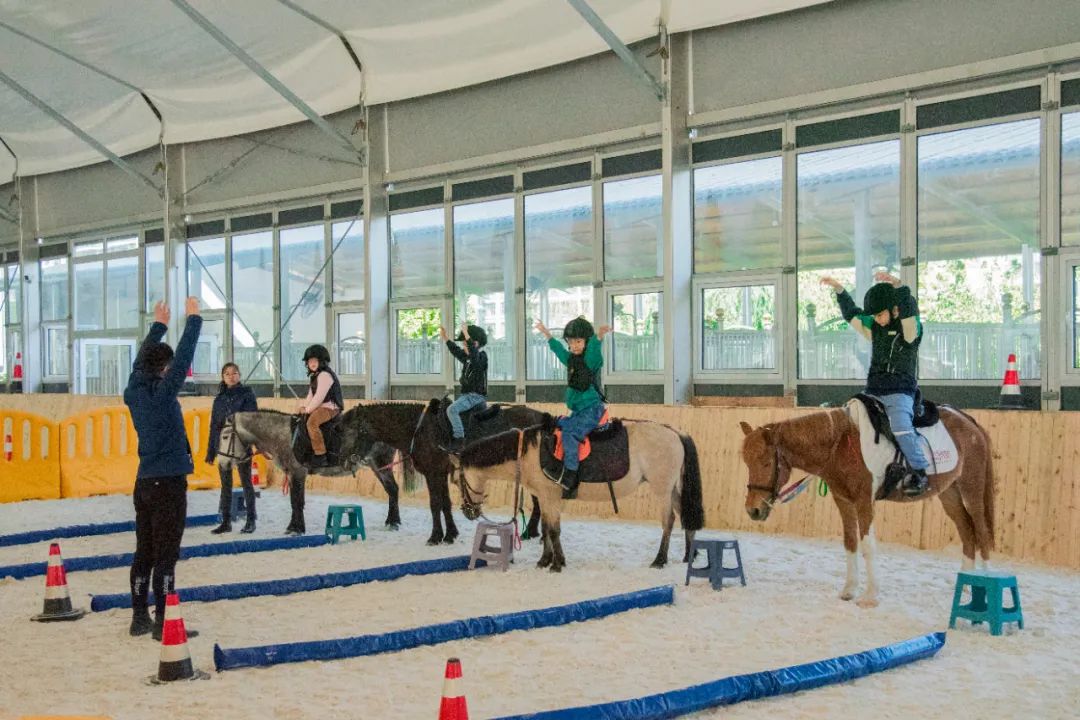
407 49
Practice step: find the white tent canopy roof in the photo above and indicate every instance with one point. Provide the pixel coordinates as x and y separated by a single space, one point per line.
408 48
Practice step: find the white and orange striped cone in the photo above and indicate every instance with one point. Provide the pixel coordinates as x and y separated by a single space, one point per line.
255 479
7 447
175 661
1010 387
453 705
16 374
57 600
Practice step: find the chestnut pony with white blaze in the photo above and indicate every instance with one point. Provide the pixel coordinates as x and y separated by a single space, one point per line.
826 444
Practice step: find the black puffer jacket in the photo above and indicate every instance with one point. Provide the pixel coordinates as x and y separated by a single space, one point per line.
474 367
238 398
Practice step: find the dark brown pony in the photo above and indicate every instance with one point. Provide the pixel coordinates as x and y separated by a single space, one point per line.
827 445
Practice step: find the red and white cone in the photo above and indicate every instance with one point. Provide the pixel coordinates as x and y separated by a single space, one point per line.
1010 387
255 479
7 447
175 661
453 705
57 600
16 374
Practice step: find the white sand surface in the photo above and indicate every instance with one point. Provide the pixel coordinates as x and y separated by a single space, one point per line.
788 613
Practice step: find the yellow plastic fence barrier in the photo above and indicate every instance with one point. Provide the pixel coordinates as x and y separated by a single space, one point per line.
29 457
99 453
206 476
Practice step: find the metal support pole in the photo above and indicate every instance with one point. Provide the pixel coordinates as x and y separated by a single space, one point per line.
619 47
377 250
264 74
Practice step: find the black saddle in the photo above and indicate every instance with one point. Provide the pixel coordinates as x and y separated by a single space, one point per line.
301 441
608 461
926 415
479 422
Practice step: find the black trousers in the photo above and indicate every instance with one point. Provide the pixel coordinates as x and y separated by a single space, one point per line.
160 515
225 503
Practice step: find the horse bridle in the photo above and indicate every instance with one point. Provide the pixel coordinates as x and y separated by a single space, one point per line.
231 420
468 504
773 489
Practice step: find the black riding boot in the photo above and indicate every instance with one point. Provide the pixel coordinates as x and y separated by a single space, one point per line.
249 525
916 483
569 483
224 527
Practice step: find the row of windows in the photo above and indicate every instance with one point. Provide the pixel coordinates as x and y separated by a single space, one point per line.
267 294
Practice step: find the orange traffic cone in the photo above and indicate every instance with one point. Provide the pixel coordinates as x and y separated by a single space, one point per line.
57 600
453 705
1010 387
255 480
7 447
175 663
16 374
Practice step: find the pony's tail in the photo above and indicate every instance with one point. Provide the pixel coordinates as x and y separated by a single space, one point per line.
989 491
691 510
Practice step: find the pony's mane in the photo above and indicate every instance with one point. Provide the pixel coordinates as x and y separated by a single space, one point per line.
270 411
499 449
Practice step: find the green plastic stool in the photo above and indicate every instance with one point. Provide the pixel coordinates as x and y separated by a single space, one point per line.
987 589
354 525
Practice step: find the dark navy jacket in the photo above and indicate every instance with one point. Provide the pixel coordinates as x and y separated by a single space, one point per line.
155 411
238 398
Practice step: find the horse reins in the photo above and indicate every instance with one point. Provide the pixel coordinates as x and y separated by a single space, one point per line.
467 492
791 491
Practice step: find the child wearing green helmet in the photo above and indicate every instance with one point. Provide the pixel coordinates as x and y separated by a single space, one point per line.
583 361
473 380
889 319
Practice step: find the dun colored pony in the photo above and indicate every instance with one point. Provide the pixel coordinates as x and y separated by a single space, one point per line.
271 432
827 445
659 455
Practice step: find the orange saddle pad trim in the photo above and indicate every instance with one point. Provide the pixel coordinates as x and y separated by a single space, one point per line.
586 446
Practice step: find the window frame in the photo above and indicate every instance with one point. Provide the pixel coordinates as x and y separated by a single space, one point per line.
740 279
1070 264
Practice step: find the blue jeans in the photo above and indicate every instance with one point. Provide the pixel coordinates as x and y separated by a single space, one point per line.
575 428
901 411
463 404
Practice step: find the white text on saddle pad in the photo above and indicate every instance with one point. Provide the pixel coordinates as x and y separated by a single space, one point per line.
937 444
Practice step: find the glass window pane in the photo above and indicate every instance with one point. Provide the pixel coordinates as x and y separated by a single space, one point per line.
848 228
302 256
348 261
94 247
558 270
210 350
206 272
89 291
13 347
419 350
121 244
155 275
104 365
633 237
14 293
122 293
350 336
637 332
1070 179
56 350
253 304
418 253
54 289
1076 317
737 328
979 251
484 278
737 216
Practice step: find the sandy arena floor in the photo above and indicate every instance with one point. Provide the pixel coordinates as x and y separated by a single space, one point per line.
788 613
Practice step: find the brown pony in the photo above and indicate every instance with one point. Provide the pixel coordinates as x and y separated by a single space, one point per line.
827 445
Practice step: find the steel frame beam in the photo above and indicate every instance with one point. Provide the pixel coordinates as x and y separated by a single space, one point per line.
79 132
619 47
266 76
327 26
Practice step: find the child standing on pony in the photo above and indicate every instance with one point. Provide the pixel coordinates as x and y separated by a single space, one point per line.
473 378
889 319
583 361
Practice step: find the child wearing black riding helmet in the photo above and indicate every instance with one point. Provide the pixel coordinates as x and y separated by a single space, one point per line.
583 360
889 319
324 400
473 380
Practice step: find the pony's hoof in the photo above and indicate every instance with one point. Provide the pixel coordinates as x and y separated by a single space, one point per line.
658 564
867 602
846 595
434 540
555 568
393 526
542 563
449 539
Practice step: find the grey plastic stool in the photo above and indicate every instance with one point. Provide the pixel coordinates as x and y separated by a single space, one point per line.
500 556
714 568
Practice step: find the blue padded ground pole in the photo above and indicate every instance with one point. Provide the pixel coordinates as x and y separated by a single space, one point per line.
70 531
287 586
753 686
101 562
228 659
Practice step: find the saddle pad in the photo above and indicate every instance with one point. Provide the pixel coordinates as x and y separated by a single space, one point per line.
936 442
609 460
586 444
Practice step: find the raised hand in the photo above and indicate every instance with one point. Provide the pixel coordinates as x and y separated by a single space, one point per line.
191 306
442 334
543 330
161 313
886 277
602 331
833 283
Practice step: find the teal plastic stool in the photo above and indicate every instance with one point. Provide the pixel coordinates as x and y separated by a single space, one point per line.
987 590
353 525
